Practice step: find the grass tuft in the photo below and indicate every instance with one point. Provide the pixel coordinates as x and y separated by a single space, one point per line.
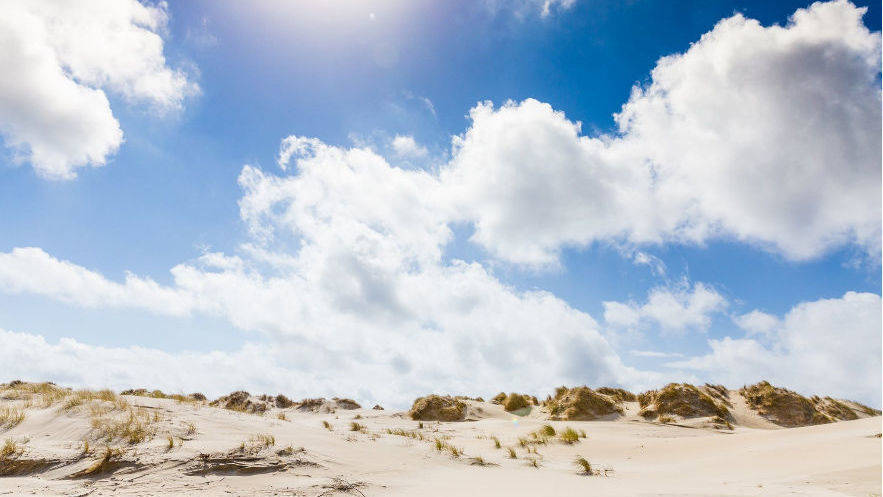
9 450
11 416
569 436
584 465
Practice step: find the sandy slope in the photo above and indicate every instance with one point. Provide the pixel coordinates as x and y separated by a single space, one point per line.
646 458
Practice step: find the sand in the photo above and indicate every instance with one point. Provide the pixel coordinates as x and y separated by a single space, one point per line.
225 455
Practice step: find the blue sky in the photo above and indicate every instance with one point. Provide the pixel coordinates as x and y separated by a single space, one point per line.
359 76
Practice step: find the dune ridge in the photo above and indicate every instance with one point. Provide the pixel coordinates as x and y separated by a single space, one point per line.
62 441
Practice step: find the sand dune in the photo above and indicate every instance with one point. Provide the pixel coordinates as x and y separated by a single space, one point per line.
59 442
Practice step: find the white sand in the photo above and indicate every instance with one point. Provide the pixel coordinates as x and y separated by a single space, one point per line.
645 458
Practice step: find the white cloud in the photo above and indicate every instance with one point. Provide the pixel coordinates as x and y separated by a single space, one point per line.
823 346
31 270
769 135
673 309
58 58
521 8
654 354
406 146
531 183
757 322
655 263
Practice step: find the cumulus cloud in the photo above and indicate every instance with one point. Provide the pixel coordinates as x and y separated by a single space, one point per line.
347 262
827 345
757 322
531 183
673 309
59 58
769 135
405 146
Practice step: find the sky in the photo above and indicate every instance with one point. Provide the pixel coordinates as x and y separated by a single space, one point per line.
382 199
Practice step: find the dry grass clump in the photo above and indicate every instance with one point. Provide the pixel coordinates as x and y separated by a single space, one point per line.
283 402
262 440
480 461
497 444
569 436
348 404
680 399
719 393
311 404
584 465
240 401
9 450
414 434
134 427
354 426
842 410
40 395
516 401
377 407
438 408
281 416
499 398
512 454
618 394
99 402
580 403
442 446
787 408
107 462
11 416
327 425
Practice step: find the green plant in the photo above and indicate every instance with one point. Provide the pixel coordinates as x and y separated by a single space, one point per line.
104 464
569 436
9 449
583 464
11 417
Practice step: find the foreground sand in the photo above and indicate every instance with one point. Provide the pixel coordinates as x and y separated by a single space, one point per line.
225 456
